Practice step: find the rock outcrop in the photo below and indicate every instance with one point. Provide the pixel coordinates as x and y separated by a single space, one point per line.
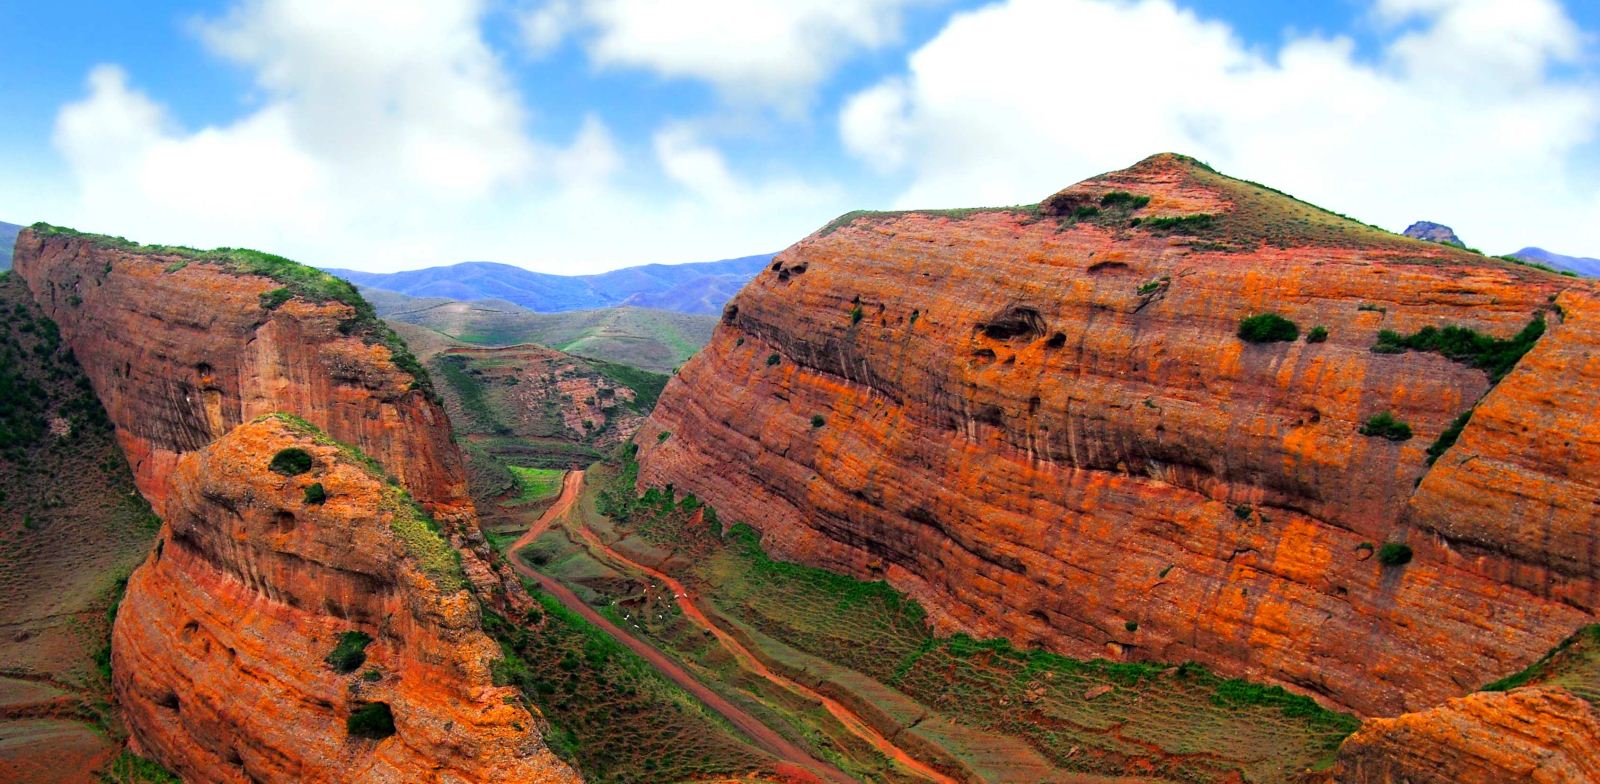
1537 735
218 644
222 647
182 350
1428 231
1043 423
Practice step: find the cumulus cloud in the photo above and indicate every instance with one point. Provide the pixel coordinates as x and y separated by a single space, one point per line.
1464 116
769 51
388 134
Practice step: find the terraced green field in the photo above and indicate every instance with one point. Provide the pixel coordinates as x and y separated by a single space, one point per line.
1172 722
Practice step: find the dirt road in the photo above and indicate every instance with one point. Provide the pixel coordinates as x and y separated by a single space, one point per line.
763 735
748 660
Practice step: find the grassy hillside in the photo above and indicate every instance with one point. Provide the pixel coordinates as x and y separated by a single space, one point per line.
655 340
72 528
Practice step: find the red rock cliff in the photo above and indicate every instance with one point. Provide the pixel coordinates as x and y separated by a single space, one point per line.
181 352
1043 424
221 645
218 645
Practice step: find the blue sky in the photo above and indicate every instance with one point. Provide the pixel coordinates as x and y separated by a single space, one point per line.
579 135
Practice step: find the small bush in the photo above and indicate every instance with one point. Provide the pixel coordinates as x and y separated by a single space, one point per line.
1131 626
1123 199
1317 335
1394 554
1242 511
1448 438
350 653
1267 328
773 359
1181 224
817 420
1367 306
855 315
372 720
1385 425
661 438
272 299
291 462
1461 344
1086 211
315 494
372 676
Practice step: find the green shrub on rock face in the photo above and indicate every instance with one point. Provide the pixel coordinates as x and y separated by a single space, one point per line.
1394 554
1385 425
293 461
773 359
316 494
1317 335
351 652
817 420
372 720
1268 328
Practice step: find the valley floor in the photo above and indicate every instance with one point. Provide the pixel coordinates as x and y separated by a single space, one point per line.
844 680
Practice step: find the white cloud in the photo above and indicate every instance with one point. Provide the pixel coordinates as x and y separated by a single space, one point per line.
388 135
1462 118
768 51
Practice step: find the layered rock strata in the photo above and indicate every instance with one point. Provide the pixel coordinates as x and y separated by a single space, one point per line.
1043 423
221 651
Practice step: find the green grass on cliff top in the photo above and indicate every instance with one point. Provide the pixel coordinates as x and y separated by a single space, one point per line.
1259 216
417 530
301 281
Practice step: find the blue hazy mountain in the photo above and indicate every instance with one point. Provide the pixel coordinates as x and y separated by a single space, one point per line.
1579 264
701 287
8 241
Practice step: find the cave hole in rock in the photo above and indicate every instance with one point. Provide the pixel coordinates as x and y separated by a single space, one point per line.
371 720
169 700
1057 340
1014 322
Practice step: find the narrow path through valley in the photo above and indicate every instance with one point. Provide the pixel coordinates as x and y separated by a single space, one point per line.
763 735
748 660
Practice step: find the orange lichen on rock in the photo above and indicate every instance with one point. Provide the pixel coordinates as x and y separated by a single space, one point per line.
1042 423
221 648
180 353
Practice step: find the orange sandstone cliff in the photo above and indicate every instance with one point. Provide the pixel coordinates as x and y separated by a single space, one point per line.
1042 423
219 647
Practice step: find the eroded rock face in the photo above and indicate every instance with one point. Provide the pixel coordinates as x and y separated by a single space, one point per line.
1043 425
1539 735
220 647
181 353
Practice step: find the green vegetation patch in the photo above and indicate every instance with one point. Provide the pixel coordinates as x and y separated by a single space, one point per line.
424 541
1495 355
1394 554
316 494
963 213
298 280
1574 664
350 653
292 461
1153 716
1268 328
371 720
611 715
1317 335
1385 425
647 386
130 768
1124 199
1448 438
536 484
1179 224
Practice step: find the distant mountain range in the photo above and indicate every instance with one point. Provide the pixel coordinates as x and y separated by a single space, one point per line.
1581 265
702 287
8 240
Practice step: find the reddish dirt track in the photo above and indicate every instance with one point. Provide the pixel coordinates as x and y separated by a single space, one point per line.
763 735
